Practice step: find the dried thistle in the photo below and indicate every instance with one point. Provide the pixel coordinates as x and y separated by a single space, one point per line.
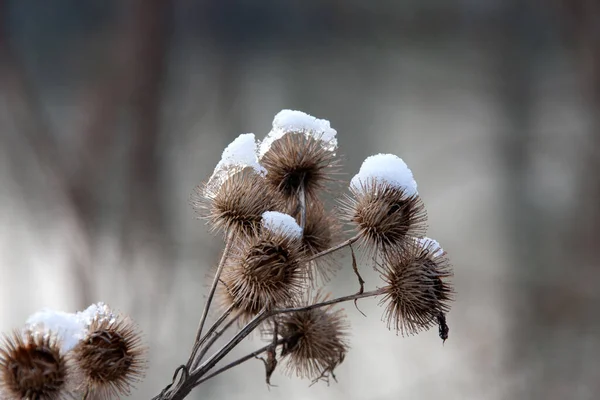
32 367
110 358
236 194
385 205
416 290
238 205
265 270
316 341
299 154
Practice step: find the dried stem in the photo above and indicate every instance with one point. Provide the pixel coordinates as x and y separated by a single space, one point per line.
333 249
214 338
211 330
194 377
302 205
213 288
356 296
361 281
240 361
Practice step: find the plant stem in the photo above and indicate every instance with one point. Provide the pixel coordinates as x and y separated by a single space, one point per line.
186 387
302 201
342 299
212 340
333 249
239 361
215 282
198 344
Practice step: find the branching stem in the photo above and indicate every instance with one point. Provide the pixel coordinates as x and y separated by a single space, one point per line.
239 361
198 373
198 344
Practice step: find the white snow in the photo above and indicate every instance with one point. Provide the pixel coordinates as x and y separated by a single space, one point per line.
287 121
432 245
275 221
239 154
94 312
67 327
384 168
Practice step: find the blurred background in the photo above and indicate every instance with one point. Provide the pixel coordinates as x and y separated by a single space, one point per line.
111 112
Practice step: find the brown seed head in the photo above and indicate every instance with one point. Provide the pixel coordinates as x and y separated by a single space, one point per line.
317 341
297 160
387 219
263 271
416 290
110 358
32 367
238 204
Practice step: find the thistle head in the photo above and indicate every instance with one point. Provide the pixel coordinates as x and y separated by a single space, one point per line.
265 270
416 290
299 153
236 195
110 358
384 204
316 340
32 366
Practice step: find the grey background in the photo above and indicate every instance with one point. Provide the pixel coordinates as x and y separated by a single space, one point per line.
111 112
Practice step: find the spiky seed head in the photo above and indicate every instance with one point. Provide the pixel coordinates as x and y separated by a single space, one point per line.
416 287
238 204
111 358
387 217
299 161
316 340
263 270
32 367
322 230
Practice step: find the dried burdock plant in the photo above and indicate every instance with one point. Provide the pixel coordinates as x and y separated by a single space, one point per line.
384 204
265 271
281 242
236 195
32 366
299 154
417 291
110 358
315 340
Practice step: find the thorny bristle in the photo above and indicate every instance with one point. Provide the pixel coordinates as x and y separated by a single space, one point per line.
110 359
262 271
387 219
320 233
238 205
297 161
416 290
317 341
32 367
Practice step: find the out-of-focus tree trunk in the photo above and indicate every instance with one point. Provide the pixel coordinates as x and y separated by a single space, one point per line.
76 187
144 225
509 43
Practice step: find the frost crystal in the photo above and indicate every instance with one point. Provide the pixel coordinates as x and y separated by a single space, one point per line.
68 327
287 121
239 154
386 168
432 245
281 223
